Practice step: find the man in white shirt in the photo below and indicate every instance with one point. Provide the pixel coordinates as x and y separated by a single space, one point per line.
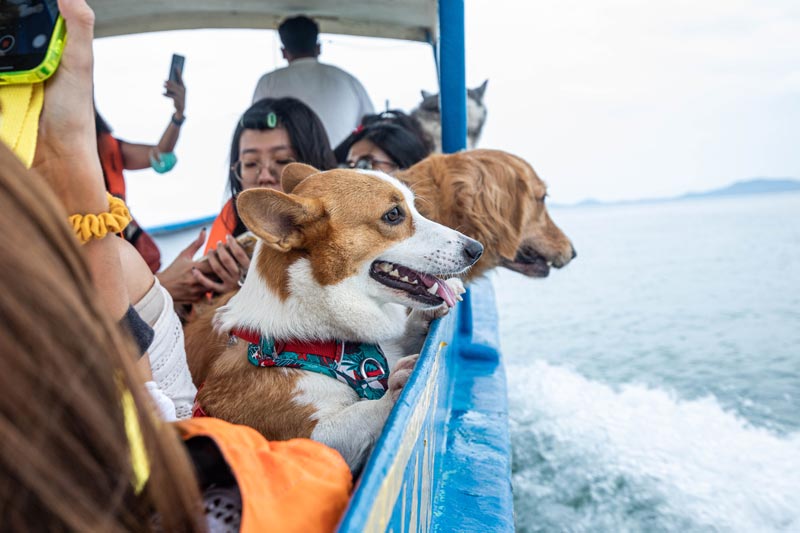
336 96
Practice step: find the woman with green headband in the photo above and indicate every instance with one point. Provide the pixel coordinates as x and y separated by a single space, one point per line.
272 133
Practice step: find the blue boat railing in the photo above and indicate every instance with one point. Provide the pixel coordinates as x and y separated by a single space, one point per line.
443 461
176 227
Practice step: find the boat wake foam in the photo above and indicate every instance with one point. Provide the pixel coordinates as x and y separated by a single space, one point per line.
589 457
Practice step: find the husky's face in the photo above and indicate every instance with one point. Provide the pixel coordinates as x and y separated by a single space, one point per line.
430 101
429 115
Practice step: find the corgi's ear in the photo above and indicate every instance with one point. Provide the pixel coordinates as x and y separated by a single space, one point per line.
293 174
277 218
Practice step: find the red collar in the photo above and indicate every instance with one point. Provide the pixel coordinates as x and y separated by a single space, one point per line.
361 366
329 349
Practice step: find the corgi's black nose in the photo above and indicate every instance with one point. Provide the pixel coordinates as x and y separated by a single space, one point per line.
473 250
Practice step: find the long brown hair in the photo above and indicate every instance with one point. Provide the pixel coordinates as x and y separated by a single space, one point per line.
65 459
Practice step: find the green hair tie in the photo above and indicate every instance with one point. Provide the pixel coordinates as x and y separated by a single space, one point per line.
272 120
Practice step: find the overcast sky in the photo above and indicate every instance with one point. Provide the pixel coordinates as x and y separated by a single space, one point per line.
610 100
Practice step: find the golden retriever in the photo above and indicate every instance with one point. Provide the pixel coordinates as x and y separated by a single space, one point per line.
497 199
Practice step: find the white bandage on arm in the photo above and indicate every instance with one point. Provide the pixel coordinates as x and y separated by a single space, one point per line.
167 351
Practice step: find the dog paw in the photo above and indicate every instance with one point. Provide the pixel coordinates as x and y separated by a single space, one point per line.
420 318
406 363
457 286
398 377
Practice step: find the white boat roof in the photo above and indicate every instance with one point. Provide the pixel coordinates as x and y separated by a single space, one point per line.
414 20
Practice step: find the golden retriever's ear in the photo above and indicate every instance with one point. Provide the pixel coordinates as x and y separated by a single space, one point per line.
509 201
279 219
293 174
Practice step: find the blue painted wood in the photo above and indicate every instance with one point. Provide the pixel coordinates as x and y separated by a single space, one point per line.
443 461
180 226
452 75
474 493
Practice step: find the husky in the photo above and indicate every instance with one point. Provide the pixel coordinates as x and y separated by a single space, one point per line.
430 116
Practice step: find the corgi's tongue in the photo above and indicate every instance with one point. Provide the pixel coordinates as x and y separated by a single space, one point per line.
423 287
438 287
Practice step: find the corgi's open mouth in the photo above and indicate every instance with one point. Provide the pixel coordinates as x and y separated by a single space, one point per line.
425 288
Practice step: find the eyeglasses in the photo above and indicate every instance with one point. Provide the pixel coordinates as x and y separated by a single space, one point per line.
370 163
251 170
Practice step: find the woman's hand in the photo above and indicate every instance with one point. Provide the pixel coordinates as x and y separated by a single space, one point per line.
178 278
66 151
229 262
177 91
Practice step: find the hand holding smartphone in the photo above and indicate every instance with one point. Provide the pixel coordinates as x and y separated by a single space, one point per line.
174 87
31 40
176 71
246 244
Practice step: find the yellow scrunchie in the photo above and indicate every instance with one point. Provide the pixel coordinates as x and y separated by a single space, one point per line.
98 226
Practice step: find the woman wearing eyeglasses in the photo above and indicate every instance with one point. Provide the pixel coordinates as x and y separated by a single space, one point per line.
388 142
272 133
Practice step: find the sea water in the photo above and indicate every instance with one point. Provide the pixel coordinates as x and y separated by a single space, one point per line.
654 383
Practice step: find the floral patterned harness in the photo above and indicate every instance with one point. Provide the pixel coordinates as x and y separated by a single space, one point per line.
361 366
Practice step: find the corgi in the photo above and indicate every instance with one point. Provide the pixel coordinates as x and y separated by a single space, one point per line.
308 347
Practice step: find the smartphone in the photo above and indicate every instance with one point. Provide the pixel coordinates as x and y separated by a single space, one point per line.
177 65
246 240
32 35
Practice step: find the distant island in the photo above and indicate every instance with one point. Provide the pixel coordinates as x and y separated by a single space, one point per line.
739 188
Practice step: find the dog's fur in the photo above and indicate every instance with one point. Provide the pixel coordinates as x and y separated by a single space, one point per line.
312 278
430 116
496 198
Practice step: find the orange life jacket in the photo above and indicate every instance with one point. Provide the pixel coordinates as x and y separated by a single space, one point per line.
295 485
223 226
110 152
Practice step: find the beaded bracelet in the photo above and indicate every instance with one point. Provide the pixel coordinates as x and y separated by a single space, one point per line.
91 226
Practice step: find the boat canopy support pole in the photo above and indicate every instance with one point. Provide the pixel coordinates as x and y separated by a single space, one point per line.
452 75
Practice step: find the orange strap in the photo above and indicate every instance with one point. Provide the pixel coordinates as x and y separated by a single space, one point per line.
295 485
110 153
223 226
